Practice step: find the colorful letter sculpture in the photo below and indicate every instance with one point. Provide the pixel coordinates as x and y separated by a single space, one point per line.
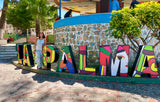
66 61
145 62
120 62
105 59
50 55
83 60
27 55
20 53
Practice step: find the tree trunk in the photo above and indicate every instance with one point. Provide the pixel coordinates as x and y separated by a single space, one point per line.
1 34
27 35
3 17
37 27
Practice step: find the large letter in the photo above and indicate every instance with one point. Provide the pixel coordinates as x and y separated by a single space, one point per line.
145 62
27 55
50 55
20 53
83 61
120 61
105 57
66 61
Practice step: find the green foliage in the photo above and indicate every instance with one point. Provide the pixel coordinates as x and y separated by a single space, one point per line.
50 38
19 16
149 14
43 13
14 36
28 36
127 23
25 13
123 22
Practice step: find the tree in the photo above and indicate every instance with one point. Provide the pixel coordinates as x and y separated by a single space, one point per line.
19 16
32 13
149 15
42 13
3 17
128 23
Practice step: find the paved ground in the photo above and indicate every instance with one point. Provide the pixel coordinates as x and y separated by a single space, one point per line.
21 40
17 85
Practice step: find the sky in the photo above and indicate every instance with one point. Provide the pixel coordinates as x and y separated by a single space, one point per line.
1 4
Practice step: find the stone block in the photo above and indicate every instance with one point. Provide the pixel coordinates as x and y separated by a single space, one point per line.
85 37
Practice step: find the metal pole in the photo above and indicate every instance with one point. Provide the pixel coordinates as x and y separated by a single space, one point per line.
60 8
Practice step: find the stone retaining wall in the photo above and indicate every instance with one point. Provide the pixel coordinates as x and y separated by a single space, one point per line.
92 35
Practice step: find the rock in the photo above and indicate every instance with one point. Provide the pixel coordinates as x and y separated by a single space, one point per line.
86 43
85 37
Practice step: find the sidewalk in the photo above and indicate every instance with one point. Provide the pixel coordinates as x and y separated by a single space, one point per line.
18 85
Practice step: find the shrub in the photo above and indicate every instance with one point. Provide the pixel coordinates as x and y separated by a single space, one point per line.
14 36
50 38
127 24
28 36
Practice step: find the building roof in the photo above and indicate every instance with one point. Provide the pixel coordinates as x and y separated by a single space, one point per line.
78 6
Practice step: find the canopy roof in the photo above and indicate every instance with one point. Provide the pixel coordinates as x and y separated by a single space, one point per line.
85 6
78 6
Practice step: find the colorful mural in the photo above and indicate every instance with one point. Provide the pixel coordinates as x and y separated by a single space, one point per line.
28 55
66 61
50 55
119 62
83 62
20 53
105 59
145 62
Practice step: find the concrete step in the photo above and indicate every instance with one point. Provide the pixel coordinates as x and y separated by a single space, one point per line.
9 45
1 56
2 49
7 57
8 53
7 49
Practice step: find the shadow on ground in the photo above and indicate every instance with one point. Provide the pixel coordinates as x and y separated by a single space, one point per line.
13 89
142 89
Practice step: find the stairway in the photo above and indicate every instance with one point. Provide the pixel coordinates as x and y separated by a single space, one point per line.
8 51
